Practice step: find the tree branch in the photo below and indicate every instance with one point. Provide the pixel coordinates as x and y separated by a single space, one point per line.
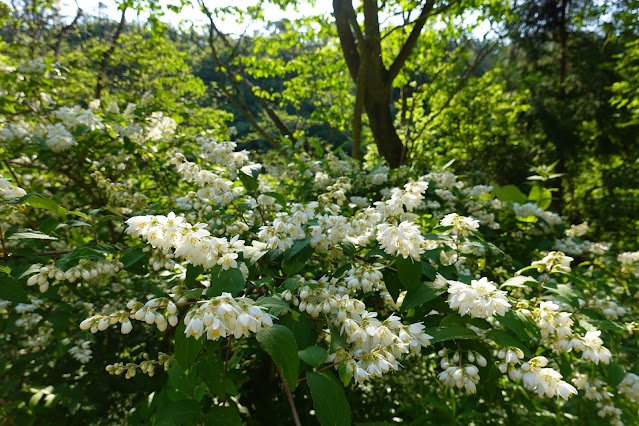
225 73
408 46
359 109
478 59
109 52
342 12
63 33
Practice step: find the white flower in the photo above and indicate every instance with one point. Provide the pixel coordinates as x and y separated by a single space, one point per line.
228 261
9 192
555 261
480 299
593 349
404 240
58 138
462 226
194 327
629 387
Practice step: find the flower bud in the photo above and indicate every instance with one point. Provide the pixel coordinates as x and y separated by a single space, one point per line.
103 324
173 320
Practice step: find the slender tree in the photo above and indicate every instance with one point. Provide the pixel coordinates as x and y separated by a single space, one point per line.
362 48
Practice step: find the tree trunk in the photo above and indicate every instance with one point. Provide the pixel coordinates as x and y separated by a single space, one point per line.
377 103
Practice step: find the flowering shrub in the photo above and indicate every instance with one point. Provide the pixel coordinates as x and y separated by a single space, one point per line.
131 247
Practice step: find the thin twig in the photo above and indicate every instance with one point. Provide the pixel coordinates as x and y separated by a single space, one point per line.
8 256
289 397
4 247
15 177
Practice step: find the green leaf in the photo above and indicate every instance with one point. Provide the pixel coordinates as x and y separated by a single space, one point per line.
249 182
349 248
210 368
295 258
223 416
182 412
566 292
393 285
409 272
186 347
39 201
419 295
338 340
510 193
297 246
541 196
180 382
111 217
514 323
231 281
11 290
615 373
428 270
50 225
131 256
456 319
329 400
290 283
278 197
313 355
346 371
608 325
192 272
88 252
575 280
453 332
505 339
273 305
521 281
79 214
279 342
30 235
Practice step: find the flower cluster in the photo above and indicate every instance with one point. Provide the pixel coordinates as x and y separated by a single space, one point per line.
557 334
8 191
461 226
191 242
147 366
629 387
32 66
374 346
118 193
553 262
530 209
213 187
85 270
58 138
224 316
460 375
75 117
595 390
480 299
404 240
545 381
81 351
